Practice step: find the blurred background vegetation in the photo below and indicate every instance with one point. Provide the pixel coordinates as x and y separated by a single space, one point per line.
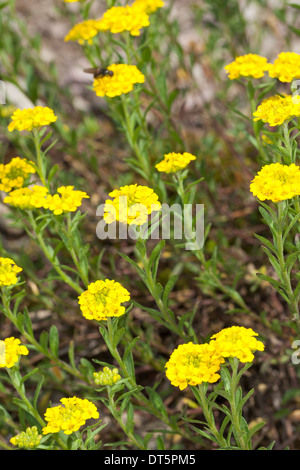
192 43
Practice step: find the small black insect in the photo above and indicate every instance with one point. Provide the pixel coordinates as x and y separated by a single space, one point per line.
99 72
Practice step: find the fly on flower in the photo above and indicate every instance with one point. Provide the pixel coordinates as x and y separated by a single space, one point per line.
99 72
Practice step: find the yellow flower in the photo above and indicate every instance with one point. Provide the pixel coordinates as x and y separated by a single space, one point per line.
286 67
276 182
107 376
69 417
192 364
249 65
149 6
8 272
83 31
14 173
103 299
12 350
131 205
127 18
27 198
27 119
7 111
239 342
121 82
68 200
173 162
276 110
27 439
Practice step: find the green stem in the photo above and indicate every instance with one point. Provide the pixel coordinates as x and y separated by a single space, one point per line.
287 142
39 157
164 310
9 314
207 412
286 281
131 384
53 259
22 394
118 418
235 415
128 124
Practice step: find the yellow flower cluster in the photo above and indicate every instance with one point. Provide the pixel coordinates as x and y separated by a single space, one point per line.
192 364
84 31
15 173
29 118
11 349
249 65
277 109
276 182
27 198
69 417
67 200
27 439
131 205
121 82
8 272
149 6
107 376
103 299
127 18
173 162
239 342
286 67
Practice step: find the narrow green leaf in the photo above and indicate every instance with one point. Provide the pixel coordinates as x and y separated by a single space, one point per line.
54 340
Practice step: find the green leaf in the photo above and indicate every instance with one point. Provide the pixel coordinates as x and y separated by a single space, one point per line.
118 336
156 400
130 418
266 242
294 5
168 288
226 378
54 340
139 271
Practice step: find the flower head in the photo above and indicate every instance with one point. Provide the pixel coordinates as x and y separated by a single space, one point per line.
27 439
277 109
121 82
131 205
173 162
107 376
27 198
239 342
70 416
29 118
127 18
84 31
8 272
67 200
249 65
149 6
192 364
276 182
14 173
286 67
103 299
10 351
